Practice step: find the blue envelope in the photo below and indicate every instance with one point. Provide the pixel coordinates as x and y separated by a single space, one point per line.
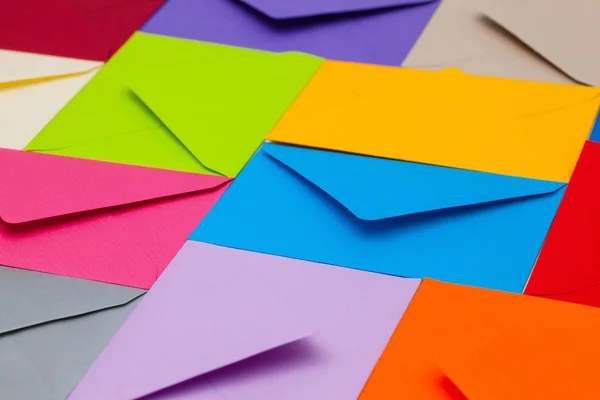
595 135
393 217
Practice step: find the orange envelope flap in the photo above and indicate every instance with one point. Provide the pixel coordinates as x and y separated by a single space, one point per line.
38 186
446 118
490 345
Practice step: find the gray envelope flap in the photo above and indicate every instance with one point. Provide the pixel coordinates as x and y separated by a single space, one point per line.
460 36
30 298
46 361
564 32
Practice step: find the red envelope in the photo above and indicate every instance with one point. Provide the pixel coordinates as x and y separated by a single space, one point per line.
88 29
568 267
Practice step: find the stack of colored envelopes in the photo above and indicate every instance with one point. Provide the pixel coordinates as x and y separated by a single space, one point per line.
291 200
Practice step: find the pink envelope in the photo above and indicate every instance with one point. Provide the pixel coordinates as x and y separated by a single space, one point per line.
96 220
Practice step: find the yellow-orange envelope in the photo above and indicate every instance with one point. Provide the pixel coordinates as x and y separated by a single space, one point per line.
459 342
446 118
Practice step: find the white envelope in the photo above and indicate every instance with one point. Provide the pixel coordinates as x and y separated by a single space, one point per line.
459 35
33 88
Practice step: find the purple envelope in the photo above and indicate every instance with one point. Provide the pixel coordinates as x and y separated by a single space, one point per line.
367 31
227 324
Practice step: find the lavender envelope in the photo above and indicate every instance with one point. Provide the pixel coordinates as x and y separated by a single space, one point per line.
232 325
367 31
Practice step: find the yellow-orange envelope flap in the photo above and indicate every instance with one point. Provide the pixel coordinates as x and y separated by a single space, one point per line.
489 345
445 118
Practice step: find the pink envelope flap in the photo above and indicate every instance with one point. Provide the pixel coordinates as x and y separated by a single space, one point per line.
292 9
36 186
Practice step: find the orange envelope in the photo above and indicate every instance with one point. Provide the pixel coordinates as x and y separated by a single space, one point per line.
459 342
446 118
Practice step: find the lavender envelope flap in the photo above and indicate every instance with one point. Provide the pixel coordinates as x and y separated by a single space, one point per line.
294 9
196 320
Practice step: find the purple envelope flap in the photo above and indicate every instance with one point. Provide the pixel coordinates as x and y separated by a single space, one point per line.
291 9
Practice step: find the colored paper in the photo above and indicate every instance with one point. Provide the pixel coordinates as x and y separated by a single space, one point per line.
565 32
448 118
91 30
178 104
460 36
52 328
595 135
95 220
386 216
36 82
378 32
250 326
459 342
568 266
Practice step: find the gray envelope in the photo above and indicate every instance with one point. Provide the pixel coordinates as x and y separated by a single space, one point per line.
52 328
460 36
565 32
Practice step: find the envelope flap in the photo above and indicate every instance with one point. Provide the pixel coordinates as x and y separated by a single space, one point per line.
376 188
565 33
31 298
36 186
300 9
221 109
201 315
19 68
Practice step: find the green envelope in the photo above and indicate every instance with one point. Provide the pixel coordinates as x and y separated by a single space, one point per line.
178 104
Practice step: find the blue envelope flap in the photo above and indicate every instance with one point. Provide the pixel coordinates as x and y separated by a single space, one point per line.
290 9
376 188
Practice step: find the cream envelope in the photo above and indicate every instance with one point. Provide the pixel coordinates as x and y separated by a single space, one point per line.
564 32
33 88
52 328
460 36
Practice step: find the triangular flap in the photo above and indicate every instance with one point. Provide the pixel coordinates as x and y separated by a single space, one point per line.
376 188
37 186
563 34
39 67
190 324
31 298
195 102
301 9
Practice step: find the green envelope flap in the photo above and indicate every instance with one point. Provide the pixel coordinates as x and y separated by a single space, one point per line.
107 121
222 110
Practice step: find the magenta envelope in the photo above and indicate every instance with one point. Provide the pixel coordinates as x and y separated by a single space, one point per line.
222 323
96 220
367 31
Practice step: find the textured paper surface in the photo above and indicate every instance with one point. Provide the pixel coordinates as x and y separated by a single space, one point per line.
36 82
490 345
91 30
565 33
445 118
197 107
216 306
386 216
52 329
460 36
96 220
357 30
